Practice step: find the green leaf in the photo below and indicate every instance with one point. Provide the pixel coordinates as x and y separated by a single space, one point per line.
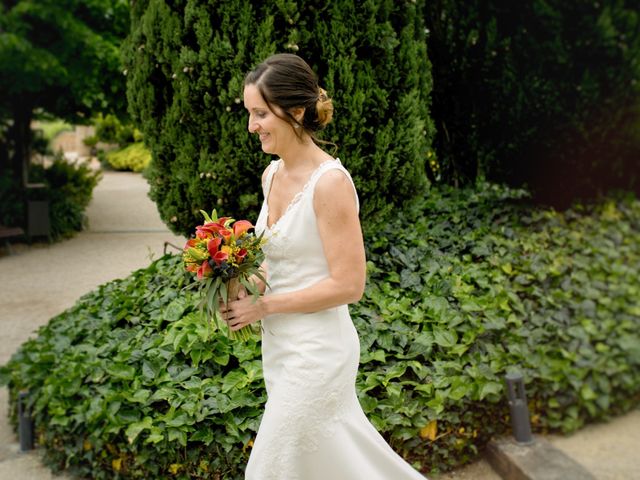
490 388
121 371
445 338
136 428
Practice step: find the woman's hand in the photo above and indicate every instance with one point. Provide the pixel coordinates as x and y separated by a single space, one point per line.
244 311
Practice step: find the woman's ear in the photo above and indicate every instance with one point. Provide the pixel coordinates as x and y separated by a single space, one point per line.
297 113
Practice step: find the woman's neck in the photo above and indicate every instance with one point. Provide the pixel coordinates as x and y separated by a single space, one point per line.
304 155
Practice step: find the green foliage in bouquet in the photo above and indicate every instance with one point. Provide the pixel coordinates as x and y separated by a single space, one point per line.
185 69
131 383
544 93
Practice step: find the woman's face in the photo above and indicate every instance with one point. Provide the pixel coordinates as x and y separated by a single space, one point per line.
275 134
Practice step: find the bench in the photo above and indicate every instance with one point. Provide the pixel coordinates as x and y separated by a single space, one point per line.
10 232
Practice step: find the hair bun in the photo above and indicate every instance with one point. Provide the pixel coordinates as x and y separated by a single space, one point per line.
324 108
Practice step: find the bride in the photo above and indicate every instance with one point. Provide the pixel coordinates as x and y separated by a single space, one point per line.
313 427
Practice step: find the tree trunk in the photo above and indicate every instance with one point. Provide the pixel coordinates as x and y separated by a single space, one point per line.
20 137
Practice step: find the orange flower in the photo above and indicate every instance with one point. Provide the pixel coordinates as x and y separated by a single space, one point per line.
204 270
214 245
220 257
241 227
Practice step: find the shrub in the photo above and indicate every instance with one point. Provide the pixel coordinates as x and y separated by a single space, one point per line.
185 67
544 93
108 128
134 157
90 141
461 289
472 284
68 188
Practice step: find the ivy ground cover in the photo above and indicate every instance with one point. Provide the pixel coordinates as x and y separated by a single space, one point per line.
463 287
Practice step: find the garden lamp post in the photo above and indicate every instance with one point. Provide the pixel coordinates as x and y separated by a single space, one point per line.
520 423
25 423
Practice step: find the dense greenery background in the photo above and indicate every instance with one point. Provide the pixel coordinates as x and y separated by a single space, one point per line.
57 58
463 288
185 68
544 93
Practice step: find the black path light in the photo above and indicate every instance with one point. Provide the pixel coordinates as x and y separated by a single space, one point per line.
25 423
520 423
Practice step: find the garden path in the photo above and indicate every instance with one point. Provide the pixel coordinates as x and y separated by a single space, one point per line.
42 280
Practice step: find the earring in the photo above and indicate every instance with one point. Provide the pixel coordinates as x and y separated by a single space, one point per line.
296 126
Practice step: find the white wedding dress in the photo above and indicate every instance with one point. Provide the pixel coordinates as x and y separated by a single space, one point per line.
313 427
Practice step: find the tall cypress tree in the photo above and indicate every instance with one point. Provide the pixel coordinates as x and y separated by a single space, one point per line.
186 62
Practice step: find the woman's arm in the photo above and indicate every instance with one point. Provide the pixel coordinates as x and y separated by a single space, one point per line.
341 235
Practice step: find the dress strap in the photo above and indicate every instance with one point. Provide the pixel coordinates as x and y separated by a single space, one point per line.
273 168
334 165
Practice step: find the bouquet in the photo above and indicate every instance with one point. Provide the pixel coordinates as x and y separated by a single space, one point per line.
224 255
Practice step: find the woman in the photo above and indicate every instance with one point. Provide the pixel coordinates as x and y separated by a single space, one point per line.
313 426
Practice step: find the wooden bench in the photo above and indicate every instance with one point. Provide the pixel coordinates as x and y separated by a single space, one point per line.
10 232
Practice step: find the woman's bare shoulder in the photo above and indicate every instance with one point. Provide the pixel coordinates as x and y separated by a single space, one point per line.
335 188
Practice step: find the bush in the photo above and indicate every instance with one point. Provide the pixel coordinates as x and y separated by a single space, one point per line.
471 285
108 128
544 93
461 289
135 157
185 67
69 188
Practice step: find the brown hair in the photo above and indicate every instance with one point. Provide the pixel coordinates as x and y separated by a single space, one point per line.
286 81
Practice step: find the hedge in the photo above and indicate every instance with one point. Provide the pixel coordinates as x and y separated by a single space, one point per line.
185 66
544 93
463 288
135 157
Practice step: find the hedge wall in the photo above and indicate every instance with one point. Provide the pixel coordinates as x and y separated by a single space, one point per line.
129 383
544 93
185 64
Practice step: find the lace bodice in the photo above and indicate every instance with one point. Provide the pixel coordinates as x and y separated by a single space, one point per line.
294 254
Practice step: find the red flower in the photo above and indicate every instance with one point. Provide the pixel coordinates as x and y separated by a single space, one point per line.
223 220
240 227
226 234
192 242
220 257
241 254
204 270
214 245
207 230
